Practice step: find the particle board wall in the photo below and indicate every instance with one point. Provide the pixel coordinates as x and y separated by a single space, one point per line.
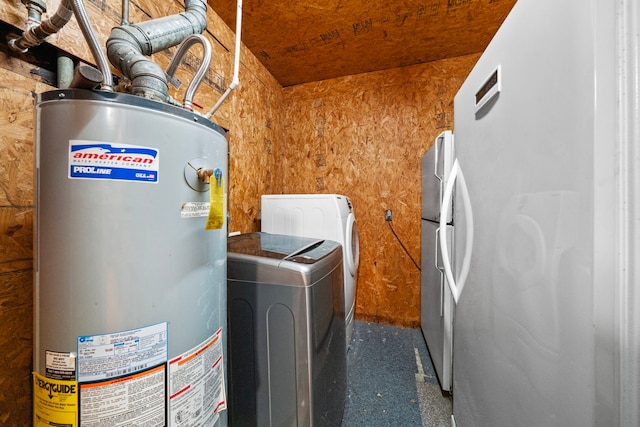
364 136
251 114
16 240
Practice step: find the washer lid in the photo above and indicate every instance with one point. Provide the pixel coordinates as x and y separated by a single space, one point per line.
302 250
281 260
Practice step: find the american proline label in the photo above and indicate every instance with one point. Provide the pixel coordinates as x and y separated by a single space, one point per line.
112 161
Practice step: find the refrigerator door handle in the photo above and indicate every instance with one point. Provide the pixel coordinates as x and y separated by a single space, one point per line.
436 162
456 174
441 270
440 267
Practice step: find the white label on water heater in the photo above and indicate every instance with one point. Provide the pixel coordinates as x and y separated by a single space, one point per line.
111 161
60 365
194 209
196 385
121 353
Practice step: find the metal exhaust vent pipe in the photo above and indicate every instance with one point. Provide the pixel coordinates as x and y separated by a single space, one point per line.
128 47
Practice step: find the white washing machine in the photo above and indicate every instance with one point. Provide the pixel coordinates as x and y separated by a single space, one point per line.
322 216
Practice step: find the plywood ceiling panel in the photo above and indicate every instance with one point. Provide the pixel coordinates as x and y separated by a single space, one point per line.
312 40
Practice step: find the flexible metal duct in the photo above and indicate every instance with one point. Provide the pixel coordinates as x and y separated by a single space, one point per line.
89 35
202 69
128 47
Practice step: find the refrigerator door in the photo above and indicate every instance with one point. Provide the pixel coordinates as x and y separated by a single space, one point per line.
526 121
436 305
436 166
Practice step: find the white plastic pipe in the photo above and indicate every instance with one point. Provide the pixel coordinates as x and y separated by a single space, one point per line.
236 63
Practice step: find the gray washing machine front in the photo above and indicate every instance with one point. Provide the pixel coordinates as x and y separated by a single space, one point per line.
287 350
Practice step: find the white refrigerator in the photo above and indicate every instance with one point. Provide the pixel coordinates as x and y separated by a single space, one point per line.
436 303
546 330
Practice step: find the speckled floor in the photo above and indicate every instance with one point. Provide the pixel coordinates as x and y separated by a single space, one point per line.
391 381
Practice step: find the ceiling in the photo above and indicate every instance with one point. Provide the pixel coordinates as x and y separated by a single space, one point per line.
310 40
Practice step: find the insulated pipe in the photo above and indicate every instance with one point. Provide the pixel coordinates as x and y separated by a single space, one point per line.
236 63
36 31
128 47
200 73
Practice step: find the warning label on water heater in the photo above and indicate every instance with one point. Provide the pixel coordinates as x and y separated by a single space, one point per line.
100 160
121 353
196 385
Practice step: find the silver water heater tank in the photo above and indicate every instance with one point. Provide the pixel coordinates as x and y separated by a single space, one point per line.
130 284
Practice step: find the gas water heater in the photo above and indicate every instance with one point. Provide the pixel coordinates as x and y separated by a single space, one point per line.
130 285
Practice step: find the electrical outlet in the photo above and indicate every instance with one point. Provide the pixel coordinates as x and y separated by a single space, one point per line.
387 215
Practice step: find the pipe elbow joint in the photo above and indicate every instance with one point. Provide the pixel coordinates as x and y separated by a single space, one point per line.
197 11
147 78
151 87
128 47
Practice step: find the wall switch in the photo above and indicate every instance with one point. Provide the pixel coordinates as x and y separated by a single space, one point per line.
387 215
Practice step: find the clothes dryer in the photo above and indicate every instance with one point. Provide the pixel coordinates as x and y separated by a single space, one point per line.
321 216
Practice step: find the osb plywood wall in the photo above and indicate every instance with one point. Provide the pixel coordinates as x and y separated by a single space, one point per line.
16 237
251 114
364 136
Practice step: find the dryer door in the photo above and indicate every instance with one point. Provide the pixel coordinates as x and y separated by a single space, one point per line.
352 245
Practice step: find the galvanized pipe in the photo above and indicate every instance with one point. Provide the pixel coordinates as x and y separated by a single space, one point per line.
37 31
128 47
64 71
35 10
125 13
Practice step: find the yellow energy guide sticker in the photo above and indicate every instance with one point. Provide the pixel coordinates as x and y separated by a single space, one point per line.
215 221
55 402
